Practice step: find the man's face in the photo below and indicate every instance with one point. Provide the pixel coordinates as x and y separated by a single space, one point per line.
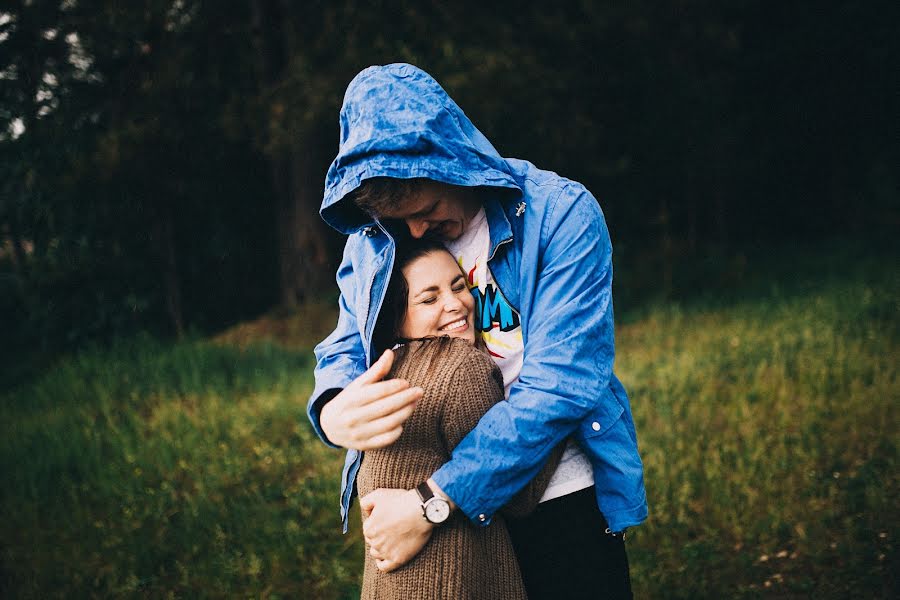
441 210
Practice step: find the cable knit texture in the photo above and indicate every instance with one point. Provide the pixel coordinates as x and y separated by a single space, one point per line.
460 561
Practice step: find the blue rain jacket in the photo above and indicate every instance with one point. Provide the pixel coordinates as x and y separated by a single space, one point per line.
551 258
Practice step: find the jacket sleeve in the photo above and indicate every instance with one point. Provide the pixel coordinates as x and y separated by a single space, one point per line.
568 357
340 358
528 498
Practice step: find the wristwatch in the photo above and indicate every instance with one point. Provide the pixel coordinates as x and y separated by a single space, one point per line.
435 509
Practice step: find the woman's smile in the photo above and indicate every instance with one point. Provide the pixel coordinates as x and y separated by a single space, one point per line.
456 326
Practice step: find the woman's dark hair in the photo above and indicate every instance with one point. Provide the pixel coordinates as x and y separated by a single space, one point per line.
393 309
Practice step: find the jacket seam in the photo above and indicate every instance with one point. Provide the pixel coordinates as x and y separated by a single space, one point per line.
545 226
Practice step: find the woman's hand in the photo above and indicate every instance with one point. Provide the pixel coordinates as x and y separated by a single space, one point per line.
369 413
394 527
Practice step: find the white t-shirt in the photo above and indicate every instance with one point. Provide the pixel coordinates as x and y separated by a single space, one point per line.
501 330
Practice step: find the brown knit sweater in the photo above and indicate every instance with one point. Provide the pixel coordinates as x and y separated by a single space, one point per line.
460 561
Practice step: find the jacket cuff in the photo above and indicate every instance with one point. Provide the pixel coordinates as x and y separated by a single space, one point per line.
314 410
469 506
622 519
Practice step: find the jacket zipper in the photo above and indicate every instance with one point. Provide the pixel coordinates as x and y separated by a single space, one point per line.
505 297
497 247
380 299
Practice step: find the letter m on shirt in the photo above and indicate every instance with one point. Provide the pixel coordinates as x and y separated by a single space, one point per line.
496 310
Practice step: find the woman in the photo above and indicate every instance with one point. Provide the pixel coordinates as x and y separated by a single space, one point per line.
431 312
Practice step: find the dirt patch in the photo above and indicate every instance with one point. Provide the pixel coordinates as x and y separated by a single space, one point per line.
301 328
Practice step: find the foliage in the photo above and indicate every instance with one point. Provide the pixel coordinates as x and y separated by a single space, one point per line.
766 423
158 158
124 177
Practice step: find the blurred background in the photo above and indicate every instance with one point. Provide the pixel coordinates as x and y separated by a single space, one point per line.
164 275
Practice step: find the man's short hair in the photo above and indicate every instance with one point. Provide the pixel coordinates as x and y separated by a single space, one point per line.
382 195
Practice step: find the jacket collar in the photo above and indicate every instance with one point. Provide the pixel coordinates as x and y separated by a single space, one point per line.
498 224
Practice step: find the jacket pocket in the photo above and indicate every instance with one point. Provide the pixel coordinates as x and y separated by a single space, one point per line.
604 416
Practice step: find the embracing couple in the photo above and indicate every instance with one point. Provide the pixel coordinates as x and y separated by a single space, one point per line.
470 374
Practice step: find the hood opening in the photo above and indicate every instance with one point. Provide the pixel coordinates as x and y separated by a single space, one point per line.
397 121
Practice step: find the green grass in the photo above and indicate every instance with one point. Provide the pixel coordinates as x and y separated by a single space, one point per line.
170 471
767 424
768 429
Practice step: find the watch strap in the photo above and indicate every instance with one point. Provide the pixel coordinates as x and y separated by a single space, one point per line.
424 491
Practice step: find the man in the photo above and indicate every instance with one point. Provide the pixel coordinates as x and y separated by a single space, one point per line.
537 253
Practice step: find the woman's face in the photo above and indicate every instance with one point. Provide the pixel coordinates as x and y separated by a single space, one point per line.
439 301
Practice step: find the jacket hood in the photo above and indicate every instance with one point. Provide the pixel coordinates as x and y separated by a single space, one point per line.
397 121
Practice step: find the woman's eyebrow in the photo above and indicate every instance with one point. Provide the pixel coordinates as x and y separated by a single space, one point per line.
432 288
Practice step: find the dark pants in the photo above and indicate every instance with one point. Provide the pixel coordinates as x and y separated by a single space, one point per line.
564 551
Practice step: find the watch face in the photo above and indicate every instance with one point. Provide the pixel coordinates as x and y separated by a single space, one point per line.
437 510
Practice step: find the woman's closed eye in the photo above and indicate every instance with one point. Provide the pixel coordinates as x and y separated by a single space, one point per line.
458 284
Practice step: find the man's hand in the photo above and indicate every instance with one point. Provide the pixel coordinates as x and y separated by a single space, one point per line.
395 529
369 413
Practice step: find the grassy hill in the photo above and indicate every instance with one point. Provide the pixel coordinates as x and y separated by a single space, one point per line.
767 422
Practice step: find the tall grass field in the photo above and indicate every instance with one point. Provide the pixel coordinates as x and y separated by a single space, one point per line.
767 422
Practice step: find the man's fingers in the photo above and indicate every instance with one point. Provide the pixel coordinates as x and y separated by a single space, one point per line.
378 370
392 421
368 501
388 405
384 431
368 535
373 392
385 565
379 425
381 440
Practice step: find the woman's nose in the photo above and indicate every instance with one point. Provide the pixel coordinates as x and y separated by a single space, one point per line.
453 304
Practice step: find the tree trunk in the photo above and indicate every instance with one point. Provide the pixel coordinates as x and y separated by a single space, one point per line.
165 241
304 266
689 173
666 247
302 245
279 171
17 249
312 269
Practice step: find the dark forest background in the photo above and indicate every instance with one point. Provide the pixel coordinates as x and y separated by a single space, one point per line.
161 162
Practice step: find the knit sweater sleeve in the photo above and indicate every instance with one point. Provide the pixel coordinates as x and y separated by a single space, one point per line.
474 387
